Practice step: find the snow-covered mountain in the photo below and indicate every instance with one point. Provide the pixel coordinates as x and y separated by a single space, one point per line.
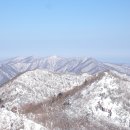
38 85
67 101
15 66
32 87
104 100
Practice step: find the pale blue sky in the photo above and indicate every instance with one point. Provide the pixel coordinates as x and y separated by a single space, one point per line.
92 28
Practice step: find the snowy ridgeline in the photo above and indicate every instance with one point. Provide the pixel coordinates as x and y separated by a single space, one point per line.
15 66
38 85
105 99
66 102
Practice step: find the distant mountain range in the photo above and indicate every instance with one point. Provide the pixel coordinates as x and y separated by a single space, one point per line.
11 68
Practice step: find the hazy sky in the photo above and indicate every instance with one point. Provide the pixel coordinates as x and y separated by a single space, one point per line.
92 28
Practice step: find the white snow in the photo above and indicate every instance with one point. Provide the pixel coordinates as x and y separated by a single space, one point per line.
12 121
101 97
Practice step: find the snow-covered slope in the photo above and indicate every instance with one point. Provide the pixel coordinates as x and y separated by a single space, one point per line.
13 121
32 87
106 99
67 101
14 66
36 86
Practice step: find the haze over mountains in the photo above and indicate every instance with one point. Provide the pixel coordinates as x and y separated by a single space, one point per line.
56 93
15 66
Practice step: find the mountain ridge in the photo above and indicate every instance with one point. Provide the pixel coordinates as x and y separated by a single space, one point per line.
71 101
14 66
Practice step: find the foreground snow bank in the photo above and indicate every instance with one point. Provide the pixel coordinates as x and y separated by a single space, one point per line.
12 121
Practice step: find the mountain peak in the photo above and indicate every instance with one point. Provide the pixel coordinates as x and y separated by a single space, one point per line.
54 57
